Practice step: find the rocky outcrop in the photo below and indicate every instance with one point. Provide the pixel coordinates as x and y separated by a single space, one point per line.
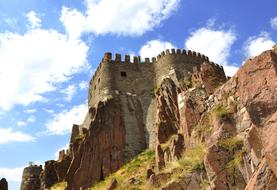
210 133
3 184
31 178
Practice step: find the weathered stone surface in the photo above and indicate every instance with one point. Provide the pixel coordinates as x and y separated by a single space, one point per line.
100 151
3 184
159 155
113 185
149 172
167 109
262 178
31 178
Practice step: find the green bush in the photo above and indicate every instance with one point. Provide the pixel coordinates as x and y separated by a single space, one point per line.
231 144
193 159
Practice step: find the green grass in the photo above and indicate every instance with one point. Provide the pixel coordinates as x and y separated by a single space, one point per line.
59 186
193 159
231 144
136 169
220 111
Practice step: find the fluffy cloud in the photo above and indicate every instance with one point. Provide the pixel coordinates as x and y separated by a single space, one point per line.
63 121
12 174
215 43
273 23
69 91
7 135
154 47
83 85
33 19
33 63
123 17
257 44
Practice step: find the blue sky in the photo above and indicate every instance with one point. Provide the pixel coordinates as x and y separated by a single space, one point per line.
50 49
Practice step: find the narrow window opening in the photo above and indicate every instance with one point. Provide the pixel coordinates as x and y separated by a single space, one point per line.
98 80
123 74
95 87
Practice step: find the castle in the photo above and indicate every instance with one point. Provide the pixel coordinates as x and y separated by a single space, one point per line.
135 83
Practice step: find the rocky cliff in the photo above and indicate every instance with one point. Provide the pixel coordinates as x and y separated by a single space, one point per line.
211 133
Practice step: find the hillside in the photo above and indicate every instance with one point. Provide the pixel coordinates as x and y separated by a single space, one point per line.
207 132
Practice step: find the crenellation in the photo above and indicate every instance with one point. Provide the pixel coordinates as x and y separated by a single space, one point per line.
127 59
173 51
167 51
163 53
184 52
107 56
117 57
136 60
154 59
189 53
194 54
178 51
147 60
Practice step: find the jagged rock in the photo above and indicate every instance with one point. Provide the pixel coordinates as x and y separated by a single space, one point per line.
156 180
177 147
149 172
113 185
3 184
100 152
31 178
168 114
262 178
159 155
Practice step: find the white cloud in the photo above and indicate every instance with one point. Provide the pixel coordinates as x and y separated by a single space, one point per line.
83 85
154 47
7 135
257 44
21 123
50 111
33 63
31 119
65 147
273 23
33 19
123 17
230 70
69 91
215 43
63 121
12 174
30 111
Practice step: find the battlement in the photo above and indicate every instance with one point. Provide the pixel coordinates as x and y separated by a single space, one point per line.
117 59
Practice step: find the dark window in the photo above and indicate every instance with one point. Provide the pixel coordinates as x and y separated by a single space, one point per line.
123 74
98 80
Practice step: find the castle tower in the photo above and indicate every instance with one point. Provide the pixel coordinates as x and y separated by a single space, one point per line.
31 177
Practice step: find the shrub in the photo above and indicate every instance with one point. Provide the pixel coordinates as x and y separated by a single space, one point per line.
193 159
231 144
221 111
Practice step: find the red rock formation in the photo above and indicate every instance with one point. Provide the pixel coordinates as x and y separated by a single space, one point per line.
3 184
